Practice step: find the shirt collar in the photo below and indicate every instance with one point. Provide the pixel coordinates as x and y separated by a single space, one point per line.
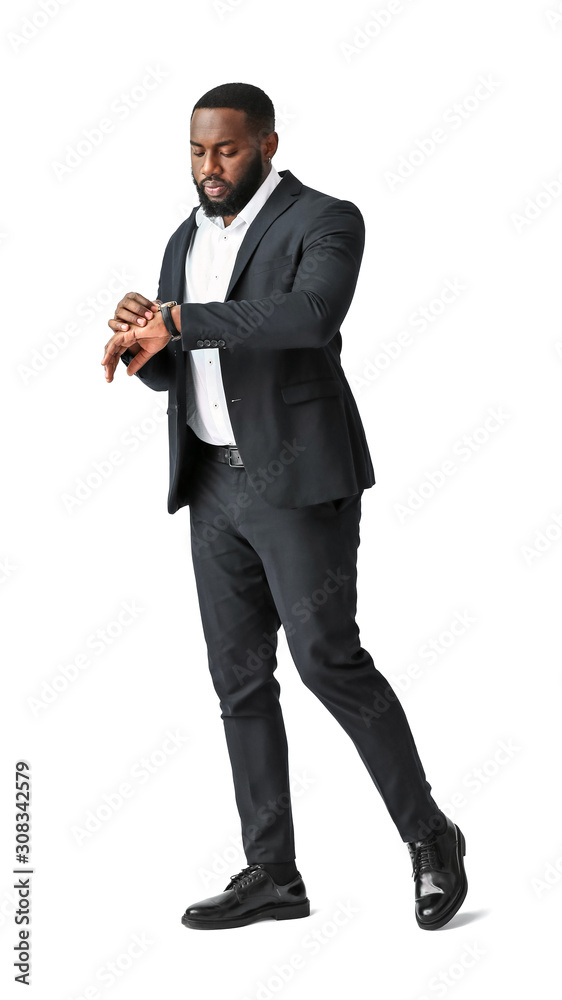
251 208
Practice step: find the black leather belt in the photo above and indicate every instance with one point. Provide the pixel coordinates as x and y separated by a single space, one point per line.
226 453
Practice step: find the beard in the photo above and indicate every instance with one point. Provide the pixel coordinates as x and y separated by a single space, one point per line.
235 198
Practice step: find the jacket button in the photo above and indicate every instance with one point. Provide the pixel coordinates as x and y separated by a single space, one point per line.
220 343
207 343
213 343
199 343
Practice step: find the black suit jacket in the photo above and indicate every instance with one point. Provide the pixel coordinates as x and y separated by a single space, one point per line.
295 419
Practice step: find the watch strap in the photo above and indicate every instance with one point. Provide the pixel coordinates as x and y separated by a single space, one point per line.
165 309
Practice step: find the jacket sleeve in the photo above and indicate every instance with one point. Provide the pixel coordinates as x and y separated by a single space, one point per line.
307 316
157 372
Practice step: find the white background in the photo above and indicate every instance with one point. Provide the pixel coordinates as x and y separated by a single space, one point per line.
354 99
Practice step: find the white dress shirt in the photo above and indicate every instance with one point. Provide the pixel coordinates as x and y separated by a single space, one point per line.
209 264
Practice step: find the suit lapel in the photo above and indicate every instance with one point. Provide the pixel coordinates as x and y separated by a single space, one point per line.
178 277
279 200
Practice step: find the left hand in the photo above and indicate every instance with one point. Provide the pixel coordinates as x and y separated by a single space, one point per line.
151 338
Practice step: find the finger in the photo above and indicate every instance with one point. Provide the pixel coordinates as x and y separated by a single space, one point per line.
116 326
137 297
138 361
111 365
110 370
136 304
128 316
116 345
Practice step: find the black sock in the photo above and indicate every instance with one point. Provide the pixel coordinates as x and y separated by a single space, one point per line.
281 872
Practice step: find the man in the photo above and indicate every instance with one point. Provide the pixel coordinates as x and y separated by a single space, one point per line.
268 450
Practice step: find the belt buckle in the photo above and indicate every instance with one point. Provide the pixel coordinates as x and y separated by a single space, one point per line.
231 448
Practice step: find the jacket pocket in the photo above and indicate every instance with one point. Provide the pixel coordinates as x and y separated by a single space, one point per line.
268 265
300 392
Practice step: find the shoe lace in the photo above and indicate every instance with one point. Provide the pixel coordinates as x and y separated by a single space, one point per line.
244 876
425 857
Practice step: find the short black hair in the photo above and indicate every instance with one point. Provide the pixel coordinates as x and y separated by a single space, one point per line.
260 113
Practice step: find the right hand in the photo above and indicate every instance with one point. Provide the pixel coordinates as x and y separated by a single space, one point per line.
133 308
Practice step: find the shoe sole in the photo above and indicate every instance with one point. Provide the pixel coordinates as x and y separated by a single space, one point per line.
286 912
459 900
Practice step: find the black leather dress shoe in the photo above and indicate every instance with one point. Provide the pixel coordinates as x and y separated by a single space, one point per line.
250 895
440 879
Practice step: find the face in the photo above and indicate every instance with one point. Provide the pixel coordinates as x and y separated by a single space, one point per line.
228 163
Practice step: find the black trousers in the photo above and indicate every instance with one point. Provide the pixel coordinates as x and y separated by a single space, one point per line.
256 568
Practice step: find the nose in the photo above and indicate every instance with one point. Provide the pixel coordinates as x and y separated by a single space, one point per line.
210 167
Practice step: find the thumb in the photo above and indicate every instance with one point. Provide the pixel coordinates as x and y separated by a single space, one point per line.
138 361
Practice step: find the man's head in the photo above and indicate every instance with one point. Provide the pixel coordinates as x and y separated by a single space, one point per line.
232 140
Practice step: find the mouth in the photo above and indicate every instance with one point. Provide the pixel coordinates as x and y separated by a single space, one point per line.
214 189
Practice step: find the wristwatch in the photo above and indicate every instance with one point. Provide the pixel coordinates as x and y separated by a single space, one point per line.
164 308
